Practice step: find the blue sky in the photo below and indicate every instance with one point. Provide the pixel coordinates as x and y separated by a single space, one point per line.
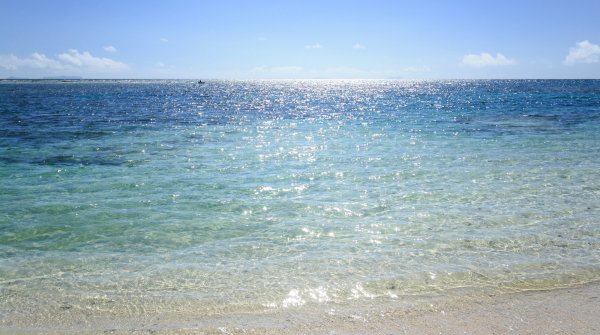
300 39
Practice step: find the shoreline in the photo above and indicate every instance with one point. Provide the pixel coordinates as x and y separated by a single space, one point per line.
564 311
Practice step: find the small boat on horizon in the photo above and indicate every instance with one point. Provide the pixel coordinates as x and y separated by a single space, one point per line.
201 82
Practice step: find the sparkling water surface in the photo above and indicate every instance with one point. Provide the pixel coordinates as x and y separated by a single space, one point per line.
137 197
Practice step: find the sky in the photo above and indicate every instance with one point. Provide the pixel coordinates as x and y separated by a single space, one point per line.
366 39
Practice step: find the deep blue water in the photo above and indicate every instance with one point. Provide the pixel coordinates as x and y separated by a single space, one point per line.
139 197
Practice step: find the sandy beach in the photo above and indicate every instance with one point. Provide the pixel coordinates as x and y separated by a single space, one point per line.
561 311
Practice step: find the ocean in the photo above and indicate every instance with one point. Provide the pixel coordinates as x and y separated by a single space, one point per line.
128 199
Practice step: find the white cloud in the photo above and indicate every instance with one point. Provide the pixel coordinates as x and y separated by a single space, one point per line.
85 59
417 69
485 59
358 46
69 60
584 52
343 72
36 60
164 40
313 46
110 48
277 69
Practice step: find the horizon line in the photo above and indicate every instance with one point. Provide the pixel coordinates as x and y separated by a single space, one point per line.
68 78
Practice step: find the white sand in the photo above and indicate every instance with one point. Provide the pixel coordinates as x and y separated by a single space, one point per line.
562 311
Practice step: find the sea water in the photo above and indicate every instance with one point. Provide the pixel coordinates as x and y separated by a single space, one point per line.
125 199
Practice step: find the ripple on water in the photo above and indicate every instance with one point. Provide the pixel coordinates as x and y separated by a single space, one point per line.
141 198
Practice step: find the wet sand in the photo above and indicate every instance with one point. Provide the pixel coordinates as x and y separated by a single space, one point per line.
561 311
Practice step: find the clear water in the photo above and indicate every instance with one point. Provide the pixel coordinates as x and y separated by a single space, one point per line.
128 198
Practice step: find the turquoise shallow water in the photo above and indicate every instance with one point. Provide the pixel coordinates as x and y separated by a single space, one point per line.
136 197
